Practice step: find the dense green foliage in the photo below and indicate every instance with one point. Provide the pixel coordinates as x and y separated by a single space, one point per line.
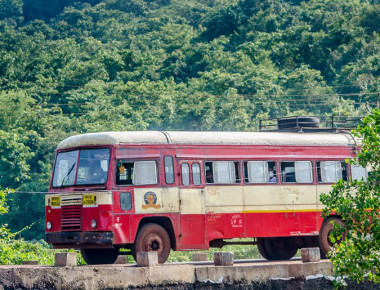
15 250
358 203
69 67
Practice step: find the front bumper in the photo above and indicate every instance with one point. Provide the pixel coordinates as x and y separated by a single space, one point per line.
80 238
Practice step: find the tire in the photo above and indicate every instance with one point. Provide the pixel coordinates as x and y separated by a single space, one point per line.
99 256
152 237
278 248
262 249
290 123
325 243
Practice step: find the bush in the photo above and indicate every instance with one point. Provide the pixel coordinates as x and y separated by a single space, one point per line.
14 251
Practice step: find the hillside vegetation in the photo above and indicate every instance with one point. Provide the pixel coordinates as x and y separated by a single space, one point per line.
69 67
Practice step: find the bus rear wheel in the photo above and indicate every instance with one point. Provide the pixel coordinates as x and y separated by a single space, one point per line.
325 242
152 237
277 248
263 249
99 256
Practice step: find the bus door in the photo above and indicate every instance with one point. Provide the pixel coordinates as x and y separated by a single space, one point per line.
192 209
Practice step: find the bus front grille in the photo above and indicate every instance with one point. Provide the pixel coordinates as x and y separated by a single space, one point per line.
71 219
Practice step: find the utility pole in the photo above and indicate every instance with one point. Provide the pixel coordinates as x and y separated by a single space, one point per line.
378 100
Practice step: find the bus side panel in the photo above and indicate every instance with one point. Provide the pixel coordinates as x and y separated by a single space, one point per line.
122 229
192 232
224 225
281 224
280 210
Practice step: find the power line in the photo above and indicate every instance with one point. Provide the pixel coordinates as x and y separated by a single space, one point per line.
257 105
94 82
321 97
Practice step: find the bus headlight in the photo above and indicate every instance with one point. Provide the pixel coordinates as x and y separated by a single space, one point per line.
93 224
49 225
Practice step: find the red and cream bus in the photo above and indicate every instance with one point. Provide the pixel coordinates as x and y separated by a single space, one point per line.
157 191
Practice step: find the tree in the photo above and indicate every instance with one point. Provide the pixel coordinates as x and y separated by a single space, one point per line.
358 203
11 11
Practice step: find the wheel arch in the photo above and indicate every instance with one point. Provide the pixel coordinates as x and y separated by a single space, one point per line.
329 217
163 221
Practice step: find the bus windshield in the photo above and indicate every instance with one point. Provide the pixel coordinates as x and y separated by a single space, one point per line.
92 168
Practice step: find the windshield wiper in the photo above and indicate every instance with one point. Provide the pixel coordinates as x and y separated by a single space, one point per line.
68 173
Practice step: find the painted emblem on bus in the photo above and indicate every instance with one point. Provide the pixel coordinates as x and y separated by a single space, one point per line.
150 199
237 221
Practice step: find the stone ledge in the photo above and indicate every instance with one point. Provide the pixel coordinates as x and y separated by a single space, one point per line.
117 276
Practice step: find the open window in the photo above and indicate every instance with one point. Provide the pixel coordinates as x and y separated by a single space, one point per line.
222 172
296 172
137 173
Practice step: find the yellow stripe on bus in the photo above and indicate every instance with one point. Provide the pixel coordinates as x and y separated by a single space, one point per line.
281 211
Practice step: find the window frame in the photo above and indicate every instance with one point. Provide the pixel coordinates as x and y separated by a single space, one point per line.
245 169
348 173
361 167
237 171
187 174
76 169
131 199
192 173
311 171
311 161
125 160
166 175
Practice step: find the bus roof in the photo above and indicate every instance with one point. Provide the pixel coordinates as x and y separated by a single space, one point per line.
211 138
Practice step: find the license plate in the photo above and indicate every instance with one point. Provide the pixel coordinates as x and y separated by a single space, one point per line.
88 199
55 201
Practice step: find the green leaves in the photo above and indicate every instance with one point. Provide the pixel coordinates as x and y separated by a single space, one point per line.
358 203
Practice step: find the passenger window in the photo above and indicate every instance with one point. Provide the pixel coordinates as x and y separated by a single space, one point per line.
196 168
358 172
145 173
124 173
137 173
125 201
169 169
225 172
298 171
304 172
331 171
288 172
209 172
257 172
260 172
185 170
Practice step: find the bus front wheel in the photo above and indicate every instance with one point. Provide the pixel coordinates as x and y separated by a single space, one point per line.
277 248
152 237
99 256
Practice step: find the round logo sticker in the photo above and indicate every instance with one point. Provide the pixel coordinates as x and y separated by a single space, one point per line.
150 199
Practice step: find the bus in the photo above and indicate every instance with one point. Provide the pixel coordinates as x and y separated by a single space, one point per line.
161 191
